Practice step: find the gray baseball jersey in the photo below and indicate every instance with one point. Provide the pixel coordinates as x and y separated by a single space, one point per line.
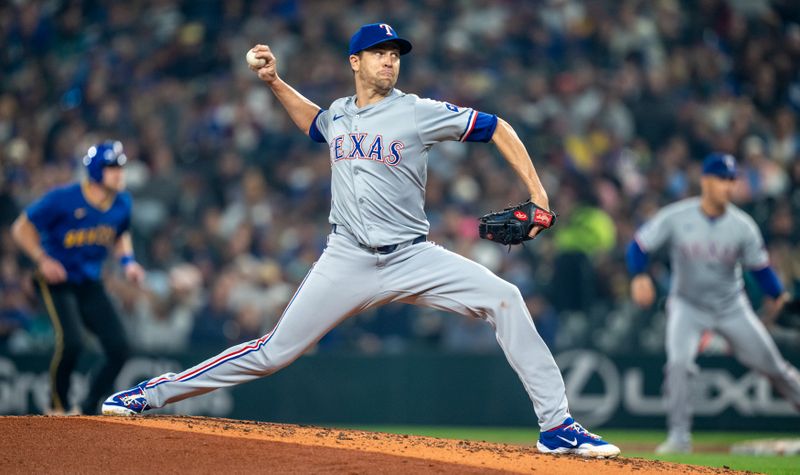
378 158
385 204
707 257
707 254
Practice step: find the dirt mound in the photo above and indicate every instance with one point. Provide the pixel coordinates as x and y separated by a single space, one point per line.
168 444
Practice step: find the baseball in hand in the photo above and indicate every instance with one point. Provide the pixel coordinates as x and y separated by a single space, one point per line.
253 61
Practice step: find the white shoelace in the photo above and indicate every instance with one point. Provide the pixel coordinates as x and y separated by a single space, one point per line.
132 399
579 429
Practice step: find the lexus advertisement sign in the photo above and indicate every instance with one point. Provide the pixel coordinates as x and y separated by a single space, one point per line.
437 388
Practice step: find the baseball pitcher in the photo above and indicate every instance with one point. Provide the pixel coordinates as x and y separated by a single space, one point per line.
378 141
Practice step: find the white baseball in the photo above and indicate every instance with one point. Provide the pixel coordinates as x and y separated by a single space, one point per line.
253 61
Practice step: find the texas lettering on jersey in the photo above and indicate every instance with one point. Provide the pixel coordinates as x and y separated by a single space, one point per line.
709 251
363 146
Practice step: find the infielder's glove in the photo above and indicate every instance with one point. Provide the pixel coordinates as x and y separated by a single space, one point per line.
512 225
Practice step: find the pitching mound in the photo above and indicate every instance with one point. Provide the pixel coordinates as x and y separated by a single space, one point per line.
165 444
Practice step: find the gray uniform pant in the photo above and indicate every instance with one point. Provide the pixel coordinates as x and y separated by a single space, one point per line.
749 340
347 280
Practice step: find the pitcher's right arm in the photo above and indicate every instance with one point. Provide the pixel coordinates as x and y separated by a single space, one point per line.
300 109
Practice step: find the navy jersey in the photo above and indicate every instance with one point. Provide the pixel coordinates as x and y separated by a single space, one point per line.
76 233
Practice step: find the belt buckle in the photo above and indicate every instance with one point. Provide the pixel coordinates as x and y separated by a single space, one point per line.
380 249
386 249
390 248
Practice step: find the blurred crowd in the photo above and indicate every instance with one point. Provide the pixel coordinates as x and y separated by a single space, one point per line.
617 101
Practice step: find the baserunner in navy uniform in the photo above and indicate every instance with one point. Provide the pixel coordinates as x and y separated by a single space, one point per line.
68 233
378 141
710 242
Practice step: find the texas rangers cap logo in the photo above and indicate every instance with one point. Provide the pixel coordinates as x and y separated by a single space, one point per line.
520 215
374 34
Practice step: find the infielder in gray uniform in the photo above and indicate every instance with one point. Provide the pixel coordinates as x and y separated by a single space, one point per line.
377 251
709 240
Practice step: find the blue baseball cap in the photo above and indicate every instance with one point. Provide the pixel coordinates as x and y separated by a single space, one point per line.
374 34
721 165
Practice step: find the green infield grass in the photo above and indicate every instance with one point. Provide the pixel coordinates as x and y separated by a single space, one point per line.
711 448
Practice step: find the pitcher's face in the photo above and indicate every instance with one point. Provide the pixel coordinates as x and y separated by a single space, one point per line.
377 67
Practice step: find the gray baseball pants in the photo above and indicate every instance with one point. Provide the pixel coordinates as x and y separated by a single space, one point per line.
749 340
347 280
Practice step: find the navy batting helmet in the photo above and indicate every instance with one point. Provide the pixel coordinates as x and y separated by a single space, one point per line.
105 154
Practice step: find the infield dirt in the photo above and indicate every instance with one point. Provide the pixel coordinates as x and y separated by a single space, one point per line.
182 444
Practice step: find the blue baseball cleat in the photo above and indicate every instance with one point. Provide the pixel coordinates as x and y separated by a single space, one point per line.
571 438
127 403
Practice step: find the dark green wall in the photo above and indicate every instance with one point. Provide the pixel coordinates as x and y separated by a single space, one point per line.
437 389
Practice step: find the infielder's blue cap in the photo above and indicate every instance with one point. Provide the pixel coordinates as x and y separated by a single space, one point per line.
376 33
722 165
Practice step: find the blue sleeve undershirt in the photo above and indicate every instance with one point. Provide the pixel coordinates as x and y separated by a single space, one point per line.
636 258
314 132
484 127
768 281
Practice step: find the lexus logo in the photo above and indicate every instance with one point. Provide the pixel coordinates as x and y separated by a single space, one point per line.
597 389
579 367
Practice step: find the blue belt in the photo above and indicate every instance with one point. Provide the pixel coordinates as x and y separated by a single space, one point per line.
388 249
